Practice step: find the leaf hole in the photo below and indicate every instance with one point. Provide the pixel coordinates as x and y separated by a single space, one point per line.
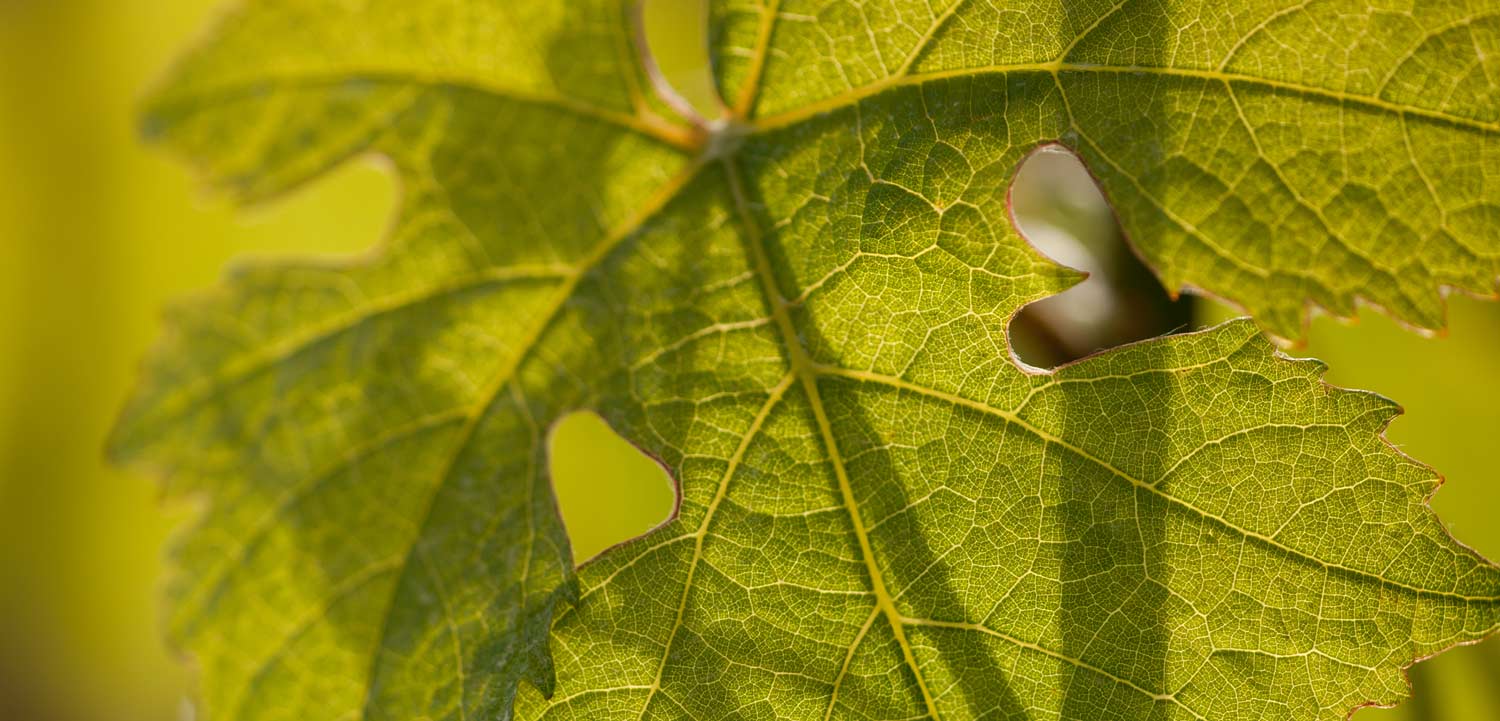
675 34
1059 208
608 490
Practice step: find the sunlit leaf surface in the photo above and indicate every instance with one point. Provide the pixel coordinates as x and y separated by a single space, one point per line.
802 310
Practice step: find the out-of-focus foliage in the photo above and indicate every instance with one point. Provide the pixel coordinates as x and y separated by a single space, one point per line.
97 234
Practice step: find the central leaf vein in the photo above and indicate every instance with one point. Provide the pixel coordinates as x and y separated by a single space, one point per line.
807 376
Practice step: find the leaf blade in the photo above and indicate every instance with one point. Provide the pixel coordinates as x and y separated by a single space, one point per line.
786 329
1317 65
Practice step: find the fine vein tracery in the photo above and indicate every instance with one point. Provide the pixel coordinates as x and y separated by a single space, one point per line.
806 372
1081 483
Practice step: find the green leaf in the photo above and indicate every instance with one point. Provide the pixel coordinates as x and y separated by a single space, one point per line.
802 311
1276 154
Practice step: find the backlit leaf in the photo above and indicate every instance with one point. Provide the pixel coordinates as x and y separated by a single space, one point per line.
802 310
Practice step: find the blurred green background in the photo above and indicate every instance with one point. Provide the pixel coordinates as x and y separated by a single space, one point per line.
98 233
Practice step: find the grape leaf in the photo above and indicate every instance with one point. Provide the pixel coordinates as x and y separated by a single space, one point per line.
1276 154
802 311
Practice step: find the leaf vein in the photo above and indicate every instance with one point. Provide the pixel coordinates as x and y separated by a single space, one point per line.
903 385
477 413
807 376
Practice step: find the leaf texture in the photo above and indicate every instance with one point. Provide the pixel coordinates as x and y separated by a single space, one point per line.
803 313
1276 154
